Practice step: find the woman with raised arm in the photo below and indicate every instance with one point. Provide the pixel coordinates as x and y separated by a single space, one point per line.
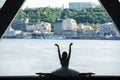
64 60
64 70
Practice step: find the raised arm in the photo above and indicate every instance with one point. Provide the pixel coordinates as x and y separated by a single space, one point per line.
58 51
70 50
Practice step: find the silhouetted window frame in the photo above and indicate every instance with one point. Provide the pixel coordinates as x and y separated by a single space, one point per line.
12 7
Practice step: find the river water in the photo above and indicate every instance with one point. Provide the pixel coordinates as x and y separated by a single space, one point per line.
30 56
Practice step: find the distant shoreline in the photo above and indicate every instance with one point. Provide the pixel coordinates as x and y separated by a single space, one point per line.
69 39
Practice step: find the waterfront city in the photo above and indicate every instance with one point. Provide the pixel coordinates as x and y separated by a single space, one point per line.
77 22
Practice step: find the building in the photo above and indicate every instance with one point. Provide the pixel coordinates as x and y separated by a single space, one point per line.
69 34
43 27
64 25
108 29
58 26
19 25
81 5
33 27
10 33
69 24
85 27
86 30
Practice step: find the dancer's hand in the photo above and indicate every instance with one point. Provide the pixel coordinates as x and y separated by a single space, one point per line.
56 45
71 44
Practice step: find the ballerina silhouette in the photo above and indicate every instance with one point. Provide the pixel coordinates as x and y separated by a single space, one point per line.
64 71
64 59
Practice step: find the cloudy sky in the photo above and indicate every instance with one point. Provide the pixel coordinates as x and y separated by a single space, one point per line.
46 3
52 3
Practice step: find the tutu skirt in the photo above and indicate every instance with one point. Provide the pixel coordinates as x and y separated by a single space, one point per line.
65 72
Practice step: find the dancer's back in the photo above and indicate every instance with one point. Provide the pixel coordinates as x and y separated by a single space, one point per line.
64 60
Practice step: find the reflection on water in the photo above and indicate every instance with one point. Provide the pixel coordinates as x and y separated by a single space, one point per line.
26 57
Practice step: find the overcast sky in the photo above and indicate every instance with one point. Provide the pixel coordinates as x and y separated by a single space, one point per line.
52 3
46 3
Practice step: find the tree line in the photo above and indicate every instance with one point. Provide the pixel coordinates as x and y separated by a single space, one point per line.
95 15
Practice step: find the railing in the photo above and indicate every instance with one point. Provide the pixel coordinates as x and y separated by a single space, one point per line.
60 78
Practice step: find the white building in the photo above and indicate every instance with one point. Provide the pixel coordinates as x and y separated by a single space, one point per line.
86 29
81 5
108 29
44 27
66 24
69 24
